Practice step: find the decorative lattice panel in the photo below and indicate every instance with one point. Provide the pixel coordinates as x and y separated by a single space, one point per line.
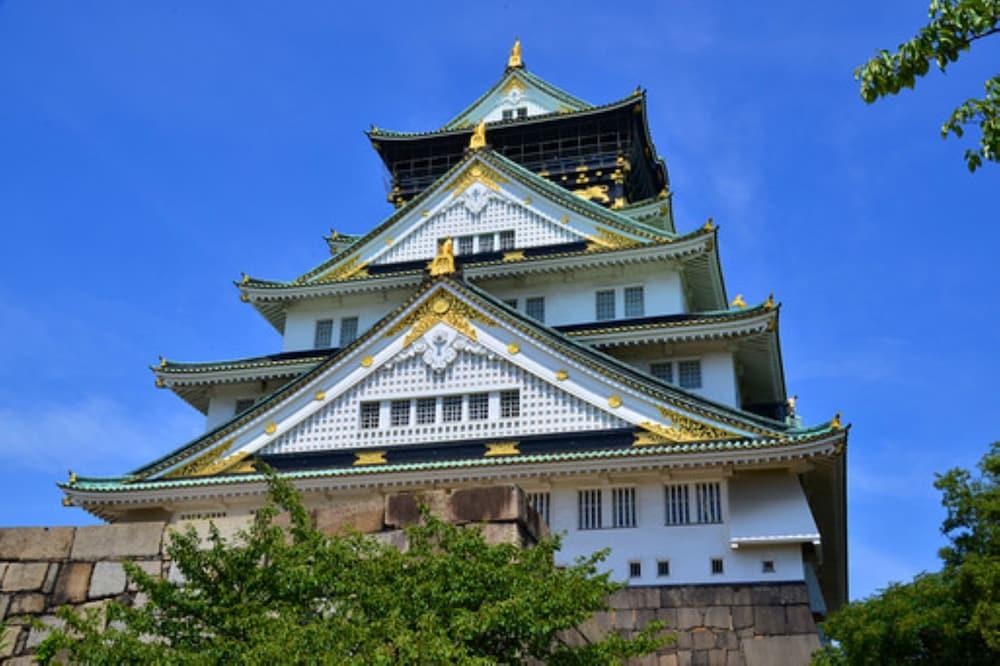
477 212
544 407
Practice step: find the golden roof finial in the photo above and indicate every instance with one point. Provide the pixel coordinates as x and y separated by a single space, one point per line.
792 402
244 279
72 478
738 302
709 225
769 303
478 139
515 56
163 362
444 262
835 422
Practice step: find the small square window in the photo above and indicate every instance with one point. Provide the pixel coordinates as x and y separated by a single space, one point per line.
243 404
426 411
767 566
663 371
663 568
510 404
635 302
535 308
486 243
522 112
369 415
635 569
399 413
605 304
451 409
479 406
689 374
324 334
465 244
512 302
507 114
507 240
348 330
717 565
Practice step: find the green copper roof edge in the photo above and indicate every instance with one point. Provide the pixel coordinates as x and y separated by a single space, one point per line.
112 484
247 363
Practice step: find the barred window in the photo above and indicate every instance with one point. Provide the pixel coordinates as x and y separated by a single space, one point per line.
348 330
510 404
479 406
512 302
369 415
635 302
623 507
678 506
465 244
605 304
589 505
709 504
540 503
689 374
535 308
507 114
324 334
663 370
717 567
663 568
767 566
243 404
426 411
507 240
399 413
635 569
451 408
522 112
486 243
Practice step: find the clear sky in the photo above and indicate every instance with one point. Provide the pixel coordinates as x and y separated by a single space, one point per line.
150 151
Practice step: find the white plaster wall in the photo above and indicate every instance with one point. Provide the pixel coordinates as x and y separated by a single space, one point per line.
222 401
301 317
689 548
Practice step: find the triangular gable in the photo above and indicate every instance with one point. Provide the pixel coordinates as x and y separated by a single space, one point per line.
445 317
517 88
485 194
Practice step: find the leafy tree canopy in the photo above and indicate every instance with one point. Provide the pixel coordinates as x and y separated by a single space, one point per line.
949 617
294 595
953 26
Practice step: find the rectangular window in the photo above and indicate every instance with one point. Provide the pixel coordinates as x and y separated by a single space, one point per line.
426 411
465 244
510 404
451 408
717 565
635 569
767 566
623 507
605 304
348 330
486 243
507 114
324 334
399 413
522 112
678 506
589 504
709 505
369 415
535 308
689 374
507 240
540 503
243 404
663 370
635 302
512 302
663 568
479 406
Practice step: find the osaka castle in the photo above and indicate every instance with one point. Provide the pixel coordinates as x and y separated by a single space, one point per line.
527 313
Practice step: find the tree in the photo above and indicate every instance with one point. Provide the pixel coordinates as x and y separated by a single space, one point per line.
293 595
948 617
954 25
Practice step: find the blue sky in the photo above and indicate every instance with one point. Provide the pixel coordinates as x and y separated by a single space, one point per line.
151 151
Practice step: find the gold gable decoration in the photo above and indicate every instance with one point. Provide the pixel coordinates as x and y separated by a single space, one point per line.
352 267
443 308
444 262
212 462
606 239
477 173
682 429
478 139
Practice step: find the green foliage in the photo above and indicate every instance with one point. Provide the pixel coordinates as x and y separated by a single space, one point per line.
953 26
949 617
293 595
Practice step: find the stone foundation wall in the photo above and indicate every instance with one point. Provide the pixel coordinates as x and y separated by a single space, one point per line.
42 569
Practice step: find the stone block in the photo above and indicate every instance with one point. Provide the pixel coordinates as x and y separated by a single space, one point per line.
794 593
24 660
790 650
718 617
395 538
119 541
799 620
668 659
36 543
38 634
151 567
765 595
402 509
684 658
487 504
8 640
174 574
4 602
769 620
228 527
50 578
688 618
644 616
742 617
24 576
596 628
716 657
108 579
702 639
72 583
699 658
363 515
727 639
704 595
668 616
625 619
742 595
684 640
27 603
672 596
734 658
497 533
